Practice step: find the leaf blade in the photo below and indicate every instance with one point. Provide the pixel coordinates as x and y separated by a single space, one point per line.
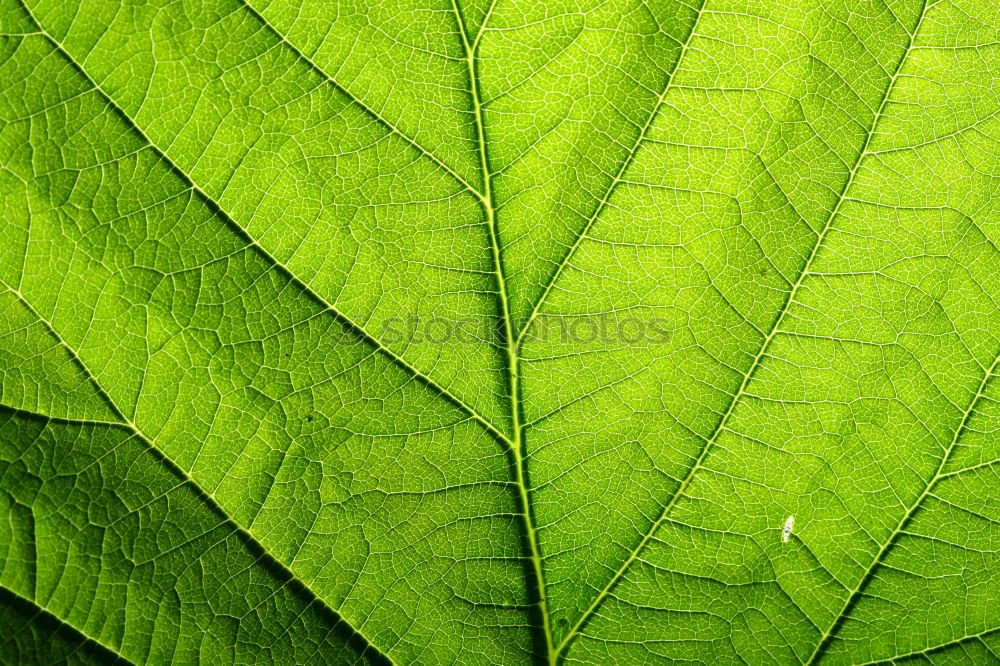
218 215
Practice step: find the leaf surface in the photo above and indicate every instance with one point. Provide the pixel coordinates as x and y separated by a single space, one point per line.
499 331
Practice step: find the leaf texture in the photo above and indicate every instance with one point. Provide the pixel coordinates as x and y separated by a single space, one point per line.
500 331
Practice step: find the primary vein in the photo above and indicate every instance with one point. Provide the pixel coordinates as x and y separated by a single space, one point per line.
517 448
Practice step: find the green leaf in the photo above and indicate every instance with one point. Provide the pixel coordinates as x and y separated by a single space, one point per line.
499 331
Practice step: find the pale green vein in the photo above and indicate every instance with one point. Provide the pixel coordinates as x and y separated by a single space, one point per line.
207 497
516 446
830 633
971 468
357 101
359 330
761 354
618 179
67 420
938 648
110 652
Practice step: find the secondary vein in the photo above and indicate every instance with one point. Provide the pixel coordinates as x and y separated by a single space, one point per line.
355 328
208 498
42 610
617 180
941 647
828 635
761 354
357 101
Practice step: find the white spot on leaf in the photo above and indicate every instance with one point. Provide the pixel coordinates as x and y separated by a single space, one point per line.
787 531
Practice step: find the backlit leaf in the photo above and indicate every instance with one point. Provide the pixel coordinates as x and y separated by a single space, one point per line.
499 331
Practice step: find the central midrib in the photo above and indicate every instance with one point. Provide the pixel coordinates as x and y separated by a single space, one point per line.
535 580
513 339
